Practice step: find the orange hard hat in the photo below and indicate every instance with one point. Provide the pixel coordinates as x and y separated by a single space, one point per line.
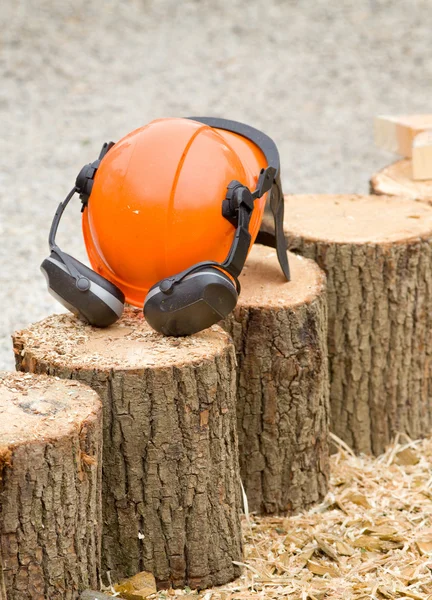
156 201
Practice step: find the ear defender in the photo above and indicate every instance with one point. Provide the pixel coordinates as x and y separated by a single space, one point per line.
89 296
207 292
187 303
204 293
78 288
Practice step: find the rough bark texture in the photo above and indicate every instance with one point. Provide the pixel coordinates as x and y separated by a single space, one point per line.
280 333
396 180
2 582
377 254
50 487
171 491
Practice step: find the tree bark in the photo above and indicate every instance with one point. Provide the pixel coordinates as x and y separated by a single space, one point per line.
171 490
377 253
280 333
396 180
50 487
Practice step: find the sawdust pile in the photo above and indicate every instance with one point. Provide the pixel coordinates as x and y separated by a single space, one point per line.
370 538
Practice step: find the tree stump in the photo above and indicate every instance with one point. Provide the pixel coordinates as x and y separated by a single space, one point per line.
396 180
280 333
50 486
377 253
171 488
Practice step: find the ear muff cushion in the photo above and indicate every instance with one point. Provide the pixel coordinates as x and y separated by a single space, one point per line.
101 305
195 303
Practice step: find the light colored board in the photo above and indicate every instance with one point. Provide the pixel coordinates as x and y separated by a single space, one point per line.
396 133
422 156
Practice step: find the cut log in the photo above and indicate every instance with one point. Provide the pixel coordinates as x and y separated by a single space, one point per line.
377 253
280 333
396 133
397 180
50 487
171 488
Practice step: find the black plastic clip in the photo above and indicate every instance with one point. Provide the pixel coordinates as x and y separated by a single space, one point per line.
85 179
238 196
265 182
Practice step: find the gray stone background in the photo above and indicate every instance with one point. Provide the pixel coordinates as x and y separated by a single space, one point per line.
312 74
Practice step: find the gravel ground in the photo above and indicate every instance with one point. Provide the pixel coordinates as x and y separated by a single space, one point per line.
74 74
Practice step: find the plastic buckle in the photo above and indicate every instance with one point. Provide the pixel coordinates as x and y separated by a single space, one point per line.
84 181
265 182
105 148
238 196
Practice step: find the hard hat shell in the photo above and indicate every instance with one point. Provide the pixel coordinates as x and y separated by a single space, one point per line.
156 204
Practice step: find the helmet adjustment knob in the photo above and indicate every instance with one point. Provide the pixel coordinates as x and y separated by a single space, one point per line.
237 195
84 181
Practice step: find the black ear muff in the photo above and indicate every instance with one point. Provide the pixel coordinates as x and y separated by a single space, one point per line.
86 294
196 302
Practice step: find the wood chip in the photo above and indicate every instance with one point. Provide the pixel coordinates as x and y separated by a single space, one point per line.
326 548
377 521
406 457
344 548
320 568
137 587
424 546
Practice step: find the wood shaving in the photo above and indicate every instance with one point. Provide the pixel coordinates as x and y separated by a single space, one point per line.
370 538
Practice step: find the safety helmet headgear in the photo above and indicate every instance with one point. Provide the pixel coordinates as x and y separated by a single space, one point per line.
172 200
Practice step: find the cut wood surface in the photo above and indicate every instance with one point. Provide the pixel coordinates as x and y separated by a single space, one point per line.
397 180
50 486
171 491
422 156
377 253
280 333
397 133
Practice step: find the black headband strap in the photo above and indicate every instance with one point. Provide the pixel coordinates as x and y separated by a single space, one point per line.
257 137
56 220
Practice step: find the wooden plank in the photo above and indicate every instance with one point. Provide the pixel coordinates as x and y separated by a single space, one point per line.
422 156
396 133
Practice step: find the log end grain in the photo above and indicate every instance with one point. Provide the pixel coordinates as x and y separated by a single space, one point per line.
355 219
64 342
280 331
263 284
50 484
397 180
42 410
